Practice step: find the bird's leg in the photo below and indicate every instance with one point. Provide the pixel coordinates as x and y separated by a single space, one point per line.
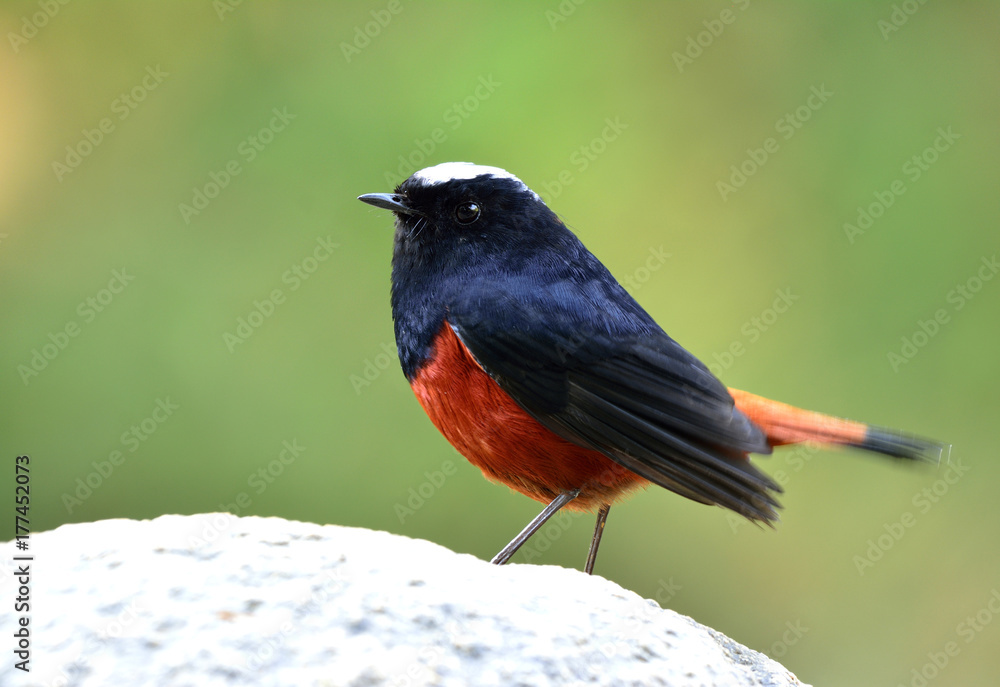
602 517
540 519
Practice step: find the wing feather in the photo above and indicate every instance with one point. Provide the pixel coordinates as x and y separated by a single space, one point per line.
628 391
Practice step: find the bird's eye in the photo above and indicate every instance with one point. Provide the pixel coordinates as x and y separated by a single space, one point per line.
468 212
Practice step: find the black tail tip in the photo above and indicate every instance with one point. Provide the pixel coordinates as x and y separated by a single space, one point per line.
898 444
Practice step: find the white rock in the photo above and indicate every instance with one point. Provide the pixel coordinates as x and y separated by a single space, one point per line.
219 600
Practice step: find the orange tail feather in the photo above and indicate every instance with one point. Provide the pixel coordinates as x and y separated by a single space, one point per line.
785 424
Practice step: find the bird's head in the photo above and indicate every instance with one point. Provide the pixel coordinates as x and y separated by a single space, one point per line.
460 204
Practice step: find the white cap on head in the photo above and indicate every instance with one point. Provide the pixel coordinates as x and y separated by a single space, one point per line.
456 171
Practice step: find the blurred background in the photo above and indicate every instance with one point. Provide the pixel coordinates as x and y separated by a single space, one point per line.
195 308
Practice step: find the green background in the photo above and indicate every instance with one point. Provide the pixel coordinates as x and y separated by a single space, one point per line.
649 185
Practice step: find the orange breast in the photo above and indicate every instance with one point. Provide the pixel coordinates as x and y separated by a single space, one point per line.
496 435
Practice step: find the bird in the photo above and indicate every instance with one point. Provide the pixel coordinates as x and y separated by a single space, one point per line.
538 366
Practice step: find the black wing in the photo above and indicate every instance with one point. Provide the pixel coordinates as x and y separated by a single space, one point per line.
610 379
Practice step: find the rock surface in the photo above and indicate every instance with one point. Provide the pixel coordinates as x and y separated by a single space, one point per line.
218 600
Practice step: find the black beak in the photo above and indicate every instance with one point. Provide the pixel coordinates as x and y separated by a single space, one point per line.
389 201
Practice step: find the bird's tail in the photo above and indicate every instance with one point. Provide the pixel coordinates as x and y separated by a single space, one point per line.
785 424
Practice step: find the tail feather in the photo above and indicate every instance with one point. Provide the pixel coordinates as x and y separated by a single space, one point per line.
898 444
785 424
